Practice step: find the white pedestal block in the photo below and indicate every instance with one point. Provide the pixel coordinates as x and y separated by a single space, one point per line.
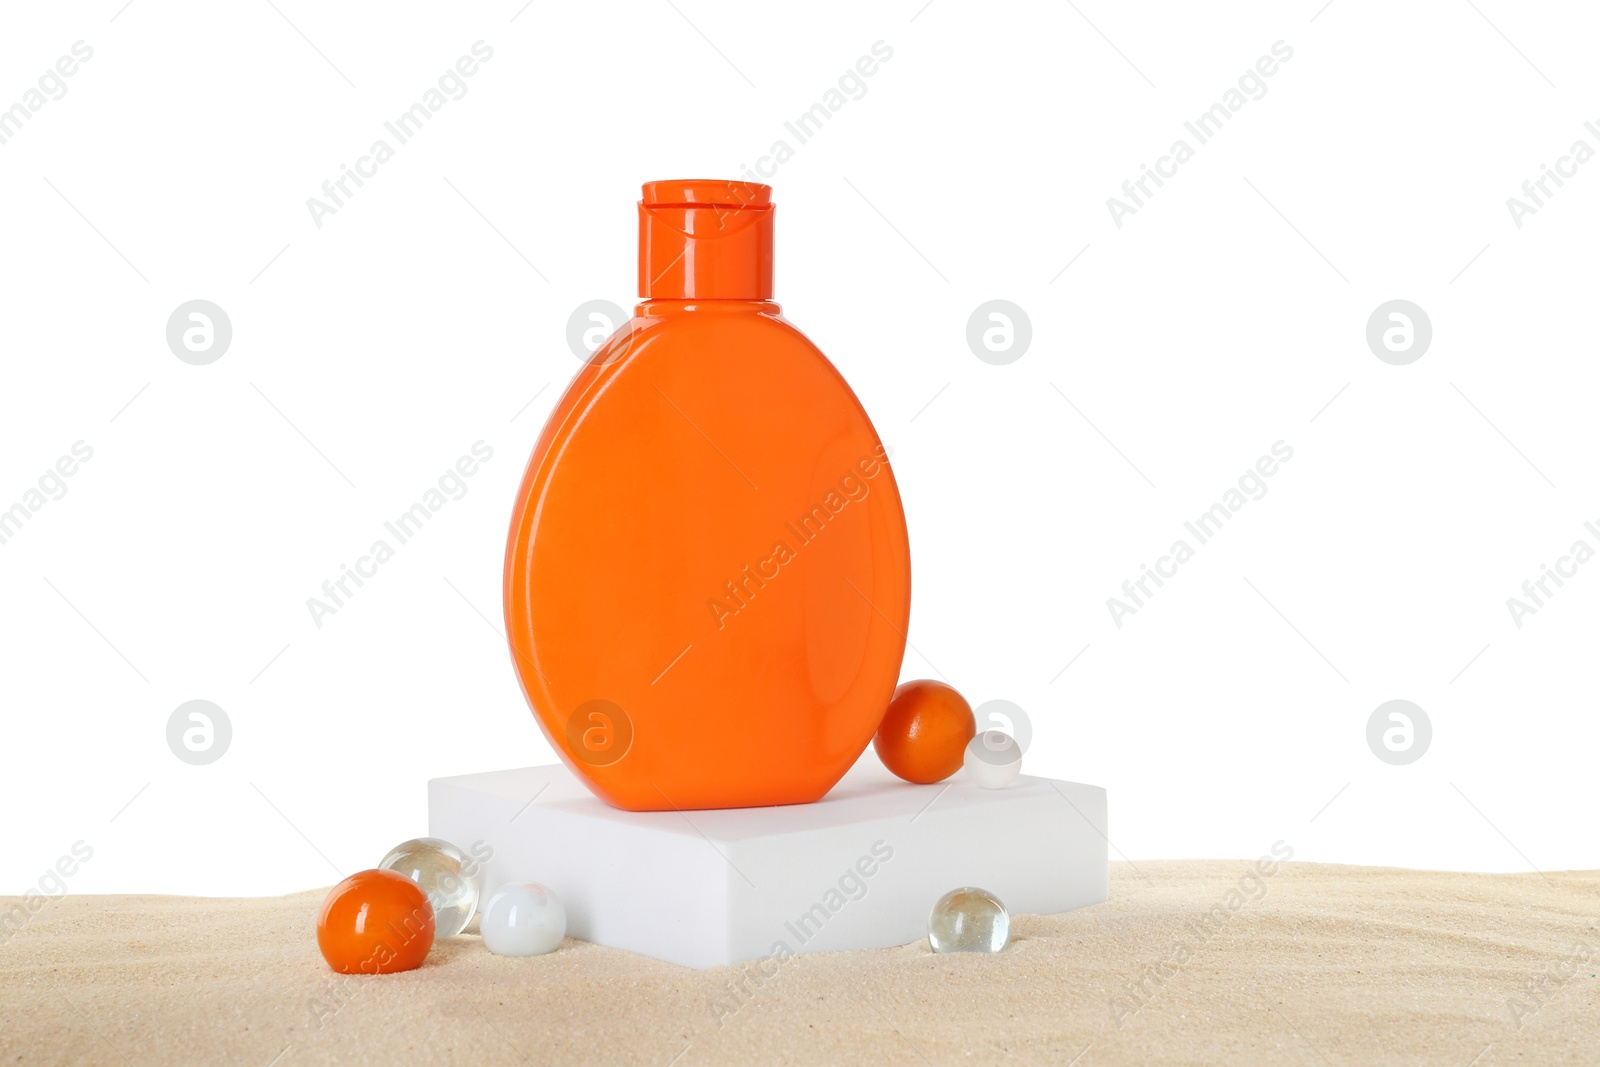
858 869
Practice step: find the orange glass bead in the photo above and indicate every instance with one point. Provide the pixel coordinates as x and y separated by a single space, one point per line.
375 922
923 736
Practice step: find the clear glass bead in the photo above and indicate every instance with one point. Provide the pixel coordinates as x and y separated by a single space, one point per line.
969 920
452 881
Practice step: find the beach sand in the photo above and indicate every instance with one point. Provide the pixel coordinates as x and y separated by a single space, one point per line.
1318 965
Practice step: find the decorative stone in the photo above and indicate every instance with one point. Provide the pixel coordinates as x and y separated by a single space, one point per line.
451 881
993 759
523 919
969 920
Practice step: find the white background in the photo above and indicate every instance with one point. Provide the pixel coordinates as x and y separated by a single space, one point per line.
369 353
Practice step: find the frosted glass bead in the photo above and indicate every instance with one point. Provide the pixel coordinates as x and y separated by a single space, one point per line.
452 881
969 920
993 759
523 920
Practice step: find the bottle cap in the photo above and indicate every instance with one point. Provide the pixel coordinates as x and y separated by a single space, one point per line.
705 239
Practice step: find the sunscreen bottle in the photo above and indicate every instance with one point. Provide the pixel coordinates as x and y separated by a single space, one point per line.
707 579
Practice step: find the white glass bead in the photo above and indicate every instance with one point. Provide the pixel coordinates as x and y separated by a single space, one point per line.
969 920
523 919
993 759
452 881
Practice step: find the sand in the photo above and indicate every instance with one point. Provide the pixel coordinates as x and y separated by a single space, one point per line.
1315 964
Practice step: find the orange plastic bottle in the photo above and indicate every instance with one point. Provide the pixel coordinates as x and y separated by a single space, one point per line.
707 578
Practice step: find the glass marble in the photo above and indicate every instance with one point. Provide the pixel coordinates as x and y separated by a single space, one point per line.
993 759
969 920
375 922
523 919
451 880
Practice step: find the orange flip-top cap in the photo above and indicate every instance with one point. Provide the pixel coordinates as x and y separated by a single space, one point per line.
705 239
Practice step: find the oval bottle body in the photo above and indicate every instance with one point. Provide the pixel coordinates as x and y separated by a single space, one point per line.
708 578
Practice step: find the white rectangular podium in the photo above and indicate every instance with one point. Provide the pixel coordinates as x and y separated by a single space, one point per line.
858 869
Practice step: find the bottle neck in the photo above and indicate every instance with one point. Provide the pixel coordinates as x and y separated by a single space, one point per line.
701 240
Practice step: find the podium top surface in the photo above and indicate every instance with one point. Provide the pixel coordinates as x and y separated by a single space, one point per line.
867 793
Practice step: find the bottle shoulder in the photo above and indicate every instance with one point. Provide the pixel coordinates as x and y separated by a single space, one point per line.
750 374
762 350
